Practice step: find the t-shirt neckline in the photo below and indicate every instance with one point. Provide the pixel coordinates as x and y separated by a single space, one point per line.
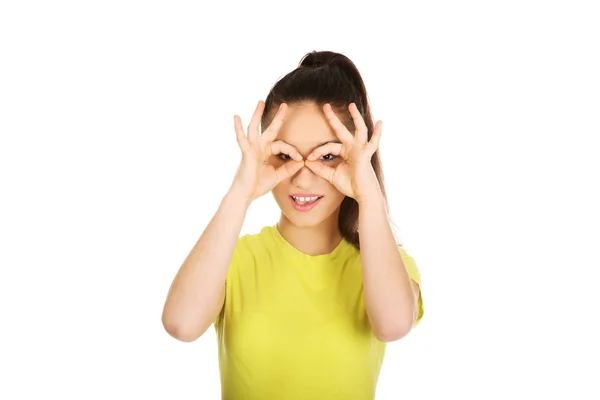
321 257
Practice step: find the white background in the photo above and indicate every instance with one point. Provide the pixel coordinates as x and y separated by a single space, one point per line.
117 145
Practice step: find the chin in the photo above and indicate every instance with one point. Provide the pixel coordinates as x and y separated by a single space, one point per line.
303 221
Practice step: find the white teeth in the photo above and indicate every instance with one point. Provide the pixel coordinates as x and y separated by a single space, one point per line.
303 199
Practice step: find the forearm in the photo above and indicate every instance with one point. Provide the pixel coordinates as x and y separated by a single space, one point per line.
197 292
388 293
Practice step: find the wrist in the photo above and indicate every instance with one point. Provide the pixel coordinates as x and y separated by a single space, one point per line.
373 199
238 196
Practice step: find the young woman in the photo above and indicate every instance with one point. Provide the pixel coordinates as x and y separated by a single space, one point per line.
302 309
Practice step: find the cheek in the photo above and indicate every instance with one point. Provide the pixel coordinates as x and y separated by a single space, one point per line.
334 196
280 192
332 192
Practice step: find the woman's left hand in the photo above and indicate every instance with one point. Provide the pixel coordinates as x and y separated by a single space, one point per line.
354 175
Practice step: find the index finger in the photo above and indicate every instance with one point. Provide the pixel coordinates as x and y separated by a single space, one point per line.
271 132
255 121
359 123
280 146
340 129
330 148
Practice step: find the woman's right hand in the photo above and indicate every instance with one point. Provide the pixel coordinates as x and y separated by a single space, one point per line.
256 174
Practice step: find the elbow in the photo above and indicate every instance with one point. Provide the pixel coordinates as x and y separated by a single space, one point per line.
393 331
391 335
180 331
181 335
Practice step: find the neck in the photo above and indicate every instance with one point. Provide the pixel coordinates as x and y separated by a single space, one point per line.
312 240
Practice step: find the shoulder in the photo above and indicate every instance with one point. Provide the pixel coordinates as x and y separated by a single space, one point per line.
256 242
251 249
263 235
411 265
403 252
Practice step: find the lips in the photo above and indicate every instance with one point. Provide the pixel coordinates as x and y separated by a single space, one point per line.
304 201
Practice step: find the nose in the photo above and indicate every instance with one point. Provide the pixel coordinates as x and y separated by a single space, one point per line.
303 178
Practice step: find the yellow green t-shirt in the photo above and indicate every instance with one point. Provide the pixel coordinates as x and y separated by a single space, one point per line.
294 326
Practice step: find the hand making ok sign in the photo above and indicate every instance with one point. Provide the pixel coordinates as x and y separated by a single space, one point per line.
255 176
354 176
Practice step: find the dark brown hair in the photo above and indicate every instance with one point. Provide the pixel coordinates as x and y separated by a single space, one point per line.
328 77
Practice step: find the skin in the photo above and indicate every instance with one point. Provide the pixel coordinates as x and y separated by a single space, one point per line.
340 168
287 158
315 232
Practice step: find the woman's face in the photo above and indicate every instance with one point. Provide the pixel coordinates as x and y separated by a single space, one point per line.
306 128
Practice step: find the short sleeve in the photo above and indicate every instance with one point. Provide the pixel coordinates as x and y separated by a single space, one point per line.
415 275
233 267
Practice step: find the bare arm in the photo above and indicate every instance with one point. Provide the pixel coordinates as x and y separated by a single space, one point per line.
197 293
391 297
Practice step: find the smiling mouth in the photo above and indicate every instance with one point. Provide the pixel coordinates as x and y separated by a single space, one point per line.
300 200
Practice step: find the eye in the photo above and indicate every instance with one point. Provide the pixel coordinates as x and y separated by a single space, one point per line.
283 157
328 157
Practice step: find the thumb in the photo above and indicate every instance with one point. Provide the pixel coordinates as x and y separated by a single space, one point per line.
321 170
